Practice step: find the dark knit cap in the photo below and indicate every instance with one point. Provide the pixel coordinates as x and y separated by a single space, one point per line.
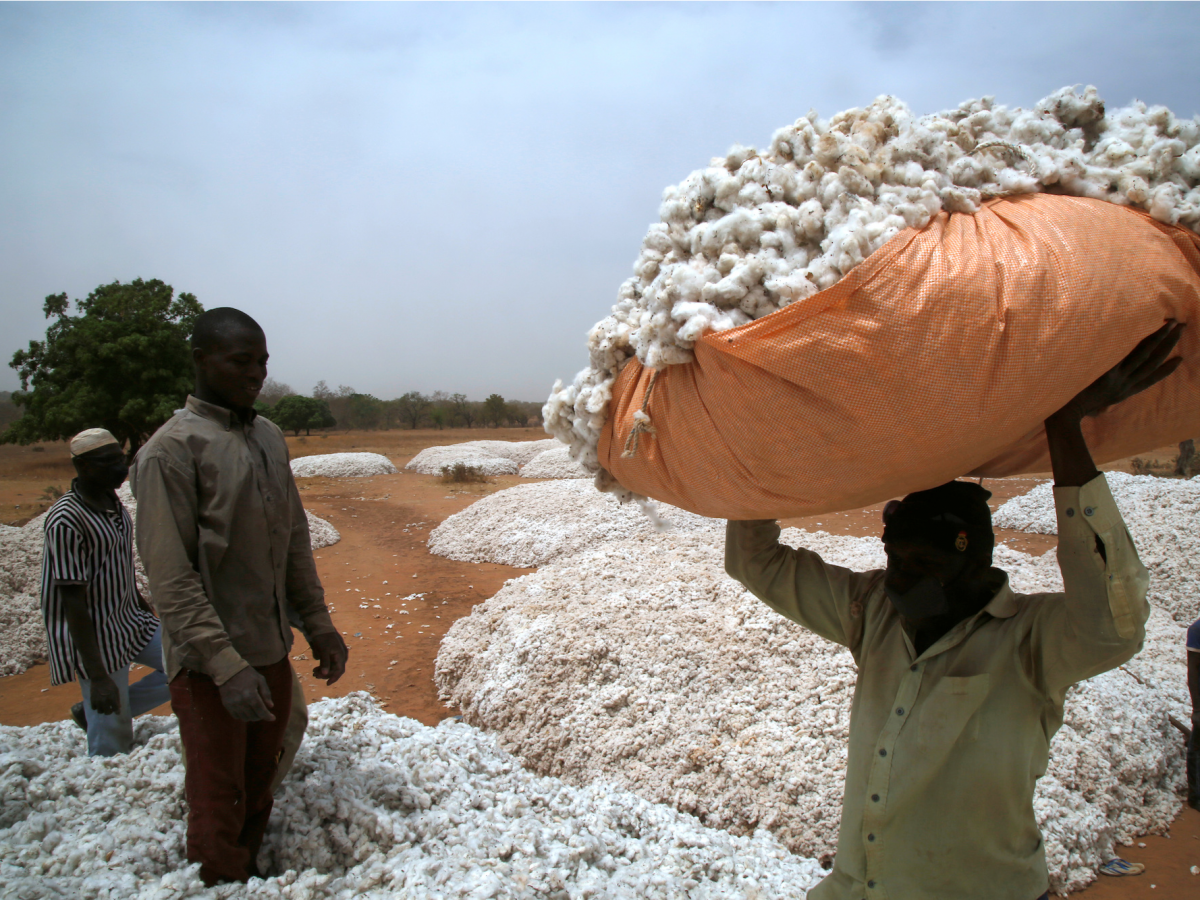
954 517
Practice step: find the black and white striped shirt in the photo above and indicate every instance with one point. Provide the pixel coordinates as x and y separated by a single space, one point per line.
86 546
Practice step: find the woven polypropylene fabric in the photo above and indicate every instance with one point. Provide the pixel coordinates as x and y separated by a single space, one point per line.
939 356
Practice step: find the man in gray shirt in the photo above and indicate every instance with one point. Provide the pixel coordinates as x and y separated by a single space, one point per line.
225 542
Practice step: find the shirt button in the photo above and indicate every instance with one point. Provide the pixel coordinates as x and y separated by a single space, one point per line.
912 668
882 752
875 797
870 837
1070 512
871 883
1088 511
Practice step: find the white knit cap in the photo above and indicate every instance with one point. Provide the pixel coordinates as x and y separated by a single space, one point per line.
90 440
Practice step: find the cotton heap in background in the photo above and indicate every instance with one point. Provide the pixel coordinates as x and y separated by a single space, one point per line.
342 465
488 458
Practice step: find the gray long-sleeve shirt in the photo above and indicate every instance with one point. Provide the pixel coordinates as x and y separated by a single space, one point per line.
224 538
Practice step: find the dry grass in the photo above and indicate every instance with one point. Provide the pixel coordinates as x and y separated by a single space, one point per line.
461 473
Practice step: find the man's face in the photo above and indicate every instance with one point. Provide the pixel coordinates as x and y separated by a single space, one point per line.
234 367
908 562
103 468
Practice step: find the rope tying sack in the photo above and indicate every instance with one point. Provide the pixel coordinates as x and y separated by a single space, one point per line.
641 422
1014 150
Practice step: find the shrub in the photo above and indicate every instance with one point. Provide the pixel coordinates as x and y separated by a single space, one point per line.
461 473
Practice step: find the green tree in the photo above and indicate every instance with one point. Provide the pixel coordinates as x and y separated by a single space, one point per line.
294 412
412 408
464 409
9 412
364 411
495 410
123 364
273 391
438 416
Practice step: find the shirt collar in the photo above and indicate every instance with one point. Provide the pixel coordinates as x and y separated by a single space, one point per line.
224 417
1003 604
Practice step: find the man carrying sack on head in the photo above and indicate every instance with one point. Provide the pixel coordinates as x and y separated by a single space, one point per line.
961 681
96 621
225 542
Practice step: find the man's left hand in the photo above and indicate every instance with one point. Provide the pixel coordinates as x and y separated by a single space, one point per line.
1146 365
331 652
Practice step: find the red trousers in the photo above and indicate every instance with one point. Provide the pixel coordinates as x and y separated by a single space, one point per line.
230 766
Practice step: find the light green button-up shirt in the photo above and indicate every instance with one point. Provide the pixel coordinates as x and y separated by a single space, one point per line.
945 747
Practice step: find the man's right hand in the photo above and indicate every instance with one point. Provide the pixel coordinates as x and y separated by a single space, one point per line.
247 696
106 698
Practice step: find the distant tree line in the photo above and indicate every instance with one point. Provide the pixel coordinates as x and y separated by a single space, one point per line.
347 408
122 362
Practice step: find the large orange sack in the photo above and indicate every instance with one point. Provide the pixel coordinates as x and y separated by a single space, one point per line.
939 356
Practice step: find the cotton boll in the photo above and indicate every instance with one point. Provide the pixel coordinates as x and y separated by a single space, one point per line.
1164 203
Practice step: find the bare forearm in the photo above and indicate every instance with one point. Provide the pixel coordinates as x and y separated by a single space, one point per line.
1070 458
83 632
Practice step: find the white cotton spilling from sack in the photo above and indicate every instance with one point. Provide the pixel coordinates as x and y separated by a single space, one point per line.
758 230
639 662
376 806
488 457
1161 514
532 524
556 463
342 465
22 630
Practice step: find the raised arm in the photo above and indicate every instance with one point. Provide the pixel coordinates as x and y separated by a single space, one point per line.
798 584
1101 621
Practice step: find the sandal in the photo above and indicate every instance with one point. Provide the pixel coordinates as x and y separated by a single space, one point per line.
1118 866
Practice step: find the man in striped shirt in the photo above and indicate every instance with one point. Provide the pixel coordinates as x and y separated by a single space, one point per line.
96 621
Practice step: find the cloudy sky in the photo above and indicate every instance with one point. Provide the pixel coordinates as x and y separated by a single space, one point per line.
447 196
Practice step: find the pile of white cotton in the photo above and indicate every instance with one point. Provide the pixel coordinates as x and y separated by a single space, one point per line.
556 463
639 661
22 634
532 524
487 457
756 231
22 631
1161 514
321 533
342 465
376 806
